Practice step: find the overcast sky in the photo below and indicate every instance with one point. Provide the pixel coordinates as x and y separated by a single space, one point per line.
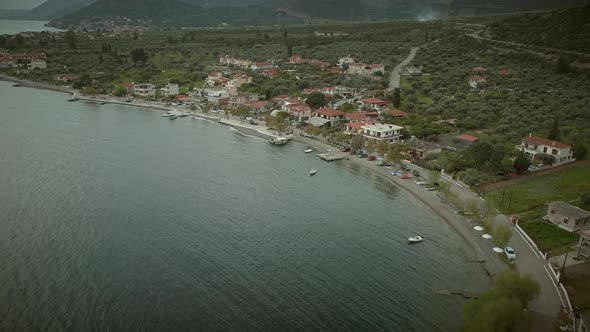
19 4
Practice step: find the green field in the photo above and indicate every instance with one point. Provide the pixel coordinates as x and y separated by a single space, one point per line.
566 185
548 237
576 280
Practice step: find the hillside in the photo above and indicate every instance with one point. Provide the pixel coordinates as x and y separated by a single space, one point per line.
166 13
52 9
567 29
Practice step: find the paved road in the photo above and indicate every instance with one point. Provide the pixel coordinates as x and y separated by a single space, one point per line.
396 72
549 49
528 262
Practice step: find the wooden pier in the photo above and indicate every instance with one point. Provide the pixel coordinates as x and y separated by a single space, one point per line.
333 155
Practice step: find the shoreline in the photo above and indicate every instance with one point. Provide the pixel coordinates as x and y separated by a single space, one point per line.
431 200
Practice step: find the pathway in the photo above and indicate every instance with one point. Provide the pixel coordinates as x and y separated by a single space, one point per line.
396 72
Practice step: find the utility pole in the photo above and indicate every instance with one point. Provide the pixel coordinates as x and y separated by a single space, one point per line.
562 268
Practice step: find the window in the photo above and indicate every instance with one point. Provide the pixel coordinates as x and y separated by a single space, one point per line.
554 152
552 211
545 150
577 222
566 220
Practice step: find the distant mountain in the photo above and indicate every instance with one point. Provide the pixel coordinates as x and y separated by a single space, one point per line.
169 13
52 9
567 29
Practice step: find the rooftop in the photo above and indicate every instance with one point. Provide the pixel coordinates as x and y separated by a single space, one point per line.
468 138
382 127
329 112
570 210
374 101
544 141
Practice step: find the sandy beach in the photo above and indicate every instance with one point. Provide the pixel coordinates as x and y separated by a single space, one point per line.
481 252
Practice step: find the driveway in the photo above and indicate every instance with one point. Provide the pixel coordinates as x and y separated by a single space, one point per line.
396 72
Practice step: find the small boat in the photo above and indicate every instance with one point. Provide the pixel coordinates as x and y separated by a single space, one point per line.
172 117
430 188
308 150
16 85
279 140
167 115
182 115
74 98
416 239
312 171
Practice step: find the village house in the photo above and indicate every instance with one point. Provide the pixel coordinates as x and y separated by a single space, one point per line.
229 61
476 80
382 132
236 82
286 102
7 62
347 60
361 116
269 73
295 59
465 140
327 116
170 89
215 79
534 145
363 69
568 217
412 70
419 149
213 95
262 65
299 112
355 128
373 103
279 98
330 34
37 64
242 98
144 90
256 106
584 245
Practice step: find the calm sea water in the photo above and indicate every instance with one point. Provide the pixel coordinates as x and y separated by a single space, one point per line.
11 27
114 218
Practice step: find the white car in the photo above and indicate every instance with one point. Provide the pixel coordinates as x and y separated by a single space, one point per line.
509 253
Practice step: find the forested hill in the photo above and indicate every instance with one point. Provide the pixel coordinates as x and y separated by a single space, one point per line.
567 29
168 13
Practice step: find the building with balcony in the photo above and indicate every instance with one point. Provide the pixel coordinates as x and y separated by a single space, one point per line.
144 90
533 146
568 217
382 132
170 89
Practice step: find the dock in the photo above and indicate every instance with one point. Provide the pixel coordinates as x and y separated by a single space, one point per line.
333 155
464 293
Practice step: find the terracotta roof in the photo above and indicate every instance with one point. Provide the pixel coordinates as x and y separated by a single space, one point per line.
329 112
395 112
358 125
374 101
277 99
356 116
182 97
477 78
264 63
256 104
299 108
468 138
504 71
479 69
548 142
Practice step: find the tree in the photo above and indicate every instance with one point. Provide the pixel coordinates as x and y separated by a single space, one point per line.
521 163
100 58
357 143
70 39
396 100
370 146
434 177
502 234
579 150
554 132
476 208
340 137
347 107
316 100
241 111
382 148
135 35
502 308
119 91
394 153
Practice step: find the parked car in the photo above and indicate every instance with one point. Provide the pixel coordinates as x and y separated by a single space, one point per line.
363 155
345 148
510 254
370 158
252 122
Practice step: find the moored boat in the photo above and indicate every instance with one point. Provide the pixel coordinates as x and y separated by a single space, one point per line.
172 117
308 150
416 239
312 171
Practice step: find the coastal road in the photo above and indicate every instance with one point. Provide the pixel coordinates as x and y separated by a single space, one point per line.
396 72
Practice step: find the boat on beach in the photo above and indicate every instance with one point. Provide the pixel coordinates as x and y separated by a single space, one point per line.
74 98
172 117
308 150
416 239
312 171
279 141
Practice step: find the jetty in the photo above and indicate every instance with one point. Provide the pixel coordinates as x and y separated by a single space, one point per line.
333 155
464 293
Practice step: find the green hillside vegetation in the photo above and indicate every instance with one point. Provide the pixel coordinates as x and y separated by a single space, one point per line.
170 14
567 29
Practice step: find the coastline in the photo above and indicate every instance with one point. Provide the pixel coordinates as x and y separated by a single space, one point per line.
481 251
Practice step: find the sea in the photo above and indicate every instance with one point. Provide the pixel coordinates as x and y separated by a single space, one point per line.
12 27
116 218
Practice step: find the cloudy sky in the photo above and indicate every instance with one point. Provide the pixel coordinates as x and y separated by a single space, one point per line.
19 4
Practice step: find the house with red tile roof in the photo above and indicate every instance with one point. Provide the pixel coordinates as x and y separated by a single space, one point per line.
361 116
355 128
373 103
330 116
256 106
392 112
299 112
534 145
479 69
279 98
269 73
466 140
476 80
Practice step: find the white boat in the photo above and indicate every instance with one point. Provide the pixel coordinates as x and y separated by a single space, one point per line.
167 115
416 239
308 150
279 140
312 171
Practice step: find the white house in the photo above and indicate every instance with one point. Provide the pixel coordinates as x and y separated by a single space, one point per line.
37 64
534 145
262 65
144 90
171 89
568 217
213 95
347 60
476 80
382 132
